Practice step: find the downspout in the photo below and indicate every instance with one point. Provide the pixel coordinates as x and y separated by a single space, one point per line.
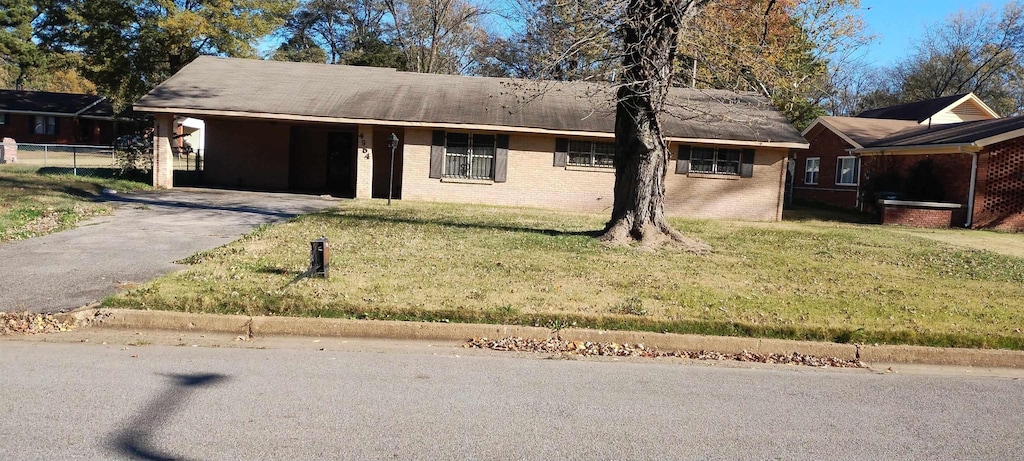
860 171
974 185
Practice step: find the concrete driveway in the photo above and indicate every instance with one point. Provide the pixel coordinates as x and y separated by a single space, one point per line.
141 240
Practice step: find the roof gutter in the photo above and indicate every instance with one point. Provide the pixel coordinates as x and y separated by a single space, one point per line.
965 148
199 113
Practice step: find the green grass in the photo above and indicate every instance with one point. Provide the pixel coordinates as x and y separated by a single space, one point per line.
33 203
801 280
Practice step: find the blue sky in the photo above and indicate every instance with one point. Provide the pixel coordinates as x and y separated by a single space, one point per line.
897 23
894 23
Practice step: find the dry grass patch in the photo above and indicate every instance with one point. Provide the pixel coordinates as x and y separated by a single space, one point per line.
34 204
419 261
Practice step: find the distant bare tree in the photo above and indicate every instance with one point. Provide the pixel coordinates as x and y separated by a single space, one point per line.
980 51
436 36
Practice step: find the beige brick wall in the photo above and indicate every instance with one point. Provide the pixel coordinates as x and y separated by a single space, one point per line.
533 181
758 198
247 154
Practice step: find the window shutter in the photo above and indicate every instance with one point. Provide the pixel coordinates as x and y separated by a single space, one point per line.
747 164
56 126
683 160
561 151
437 155
501 158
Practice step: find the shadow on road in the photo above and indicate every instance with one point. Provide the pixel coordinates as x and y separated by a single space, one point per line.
134 441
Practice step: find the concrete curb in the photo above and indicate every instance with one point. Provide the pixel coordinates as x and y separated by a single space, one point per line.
295 326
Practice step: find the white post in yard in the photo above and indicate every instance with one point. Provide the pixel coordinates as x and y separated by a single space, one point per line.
163 159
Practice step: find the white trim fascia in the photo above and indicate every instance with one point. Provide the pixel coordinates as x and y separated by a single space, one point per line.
966 148
728 142
977 100
833 129
456 126
969 97
1000 138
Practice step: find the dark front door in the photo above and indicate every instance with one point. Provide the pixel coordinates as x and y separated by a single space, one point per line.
341 165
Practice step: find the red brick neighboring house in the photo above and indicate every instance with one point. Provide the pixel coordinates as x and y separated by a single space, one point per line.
949 162
40 117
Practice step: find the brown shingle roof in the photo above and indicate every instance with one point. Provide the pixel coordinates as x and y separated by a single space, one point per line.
916 111
865 131
957 133
254 87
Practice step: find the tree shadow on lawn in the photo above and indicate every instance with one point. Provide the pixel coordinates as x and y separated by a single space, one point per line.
90 191
811 213
450 222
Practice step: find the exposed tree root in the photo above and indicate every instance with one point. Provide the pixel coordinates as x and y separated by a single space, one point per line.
650 236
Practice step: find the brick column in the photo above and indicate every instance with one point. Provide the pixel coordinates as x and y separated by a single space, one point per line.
163 158
364 162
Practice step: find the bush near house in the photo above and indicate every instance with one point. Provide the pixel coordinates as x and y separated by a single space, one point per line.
459 263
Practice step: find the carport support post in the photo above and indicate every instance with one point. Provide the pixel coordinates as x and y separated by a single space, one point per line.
163 158
364 163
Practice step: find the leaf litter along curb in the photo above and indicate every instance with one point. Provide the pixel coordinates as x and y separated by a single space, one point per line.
592 349
29 323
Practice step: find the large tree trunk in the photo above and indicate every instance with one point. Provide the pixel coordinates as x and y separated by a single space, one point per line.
650 32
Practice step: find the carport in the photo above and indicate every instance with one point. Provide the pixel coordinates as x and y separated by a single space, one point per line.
283 155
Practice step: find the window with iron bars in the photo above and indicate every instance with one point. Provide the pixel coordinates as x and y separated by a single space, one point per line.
715 160
592 153
469 156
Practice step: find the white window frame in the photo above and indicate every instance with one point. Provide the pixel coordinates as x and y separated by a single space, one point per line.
588 150
814 173
470 156
839 170
44 124
3 118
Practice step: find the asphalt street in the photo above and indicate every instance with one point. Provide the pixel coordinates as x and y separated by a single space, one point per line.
147 232
207 398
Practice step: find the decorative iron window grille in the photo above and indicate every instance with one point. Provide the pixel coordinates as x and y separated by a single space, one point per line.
469 156
592 153
715 160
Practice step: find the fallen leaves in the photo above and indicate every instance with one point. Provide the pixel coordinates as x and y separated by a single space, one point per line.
598 349
30 324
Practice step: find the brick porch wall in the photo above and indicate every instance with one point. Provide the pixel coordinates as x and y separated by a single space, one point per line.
999 199
923 217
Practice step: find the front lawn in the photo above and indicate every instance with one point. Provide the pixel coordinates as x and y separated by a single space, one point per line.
33 203
419 261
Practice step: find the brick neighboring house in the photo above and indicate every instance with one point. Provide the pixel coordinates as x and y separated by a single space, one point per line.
948 162
325 128
41 117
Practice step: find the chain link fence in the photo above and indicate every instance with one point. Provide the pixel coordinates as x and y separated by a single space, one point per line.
85 160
